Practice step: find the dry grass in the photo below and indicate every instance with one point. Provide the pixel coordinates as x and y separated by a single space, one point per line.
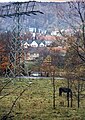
36 102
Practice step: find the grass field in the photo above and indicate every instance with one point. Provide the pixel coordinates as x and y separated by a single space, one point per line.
36 102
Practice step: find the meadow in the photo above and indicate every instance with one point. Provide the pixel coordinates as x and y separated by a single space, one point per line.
36 102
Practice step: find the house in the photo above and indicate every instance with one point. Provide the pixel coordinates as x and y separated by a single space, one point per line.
26 45
33 43
31 53
32 56
48 39
31 29
42 44
48 42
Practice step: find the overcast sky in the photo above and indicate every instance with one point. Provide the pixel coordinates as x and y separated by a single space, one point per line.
32 0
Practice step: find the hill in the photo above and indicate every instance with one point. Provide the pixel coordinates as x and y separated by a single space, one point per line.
47 21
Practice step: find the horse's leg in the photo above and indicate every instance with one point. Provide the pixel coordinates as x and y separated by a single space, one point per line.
68 98
60 92
71 98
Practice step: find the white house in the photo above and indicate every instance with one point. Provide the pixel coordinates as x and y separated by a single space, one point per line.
26 45
48 42
32 29
34 56
42 44
31 56
34 44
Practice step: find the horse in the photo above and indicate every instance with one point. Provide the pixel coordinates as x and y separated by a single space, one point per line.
68 91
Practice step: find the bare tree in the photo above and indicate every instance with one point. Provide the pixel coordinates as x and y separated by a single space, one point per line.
73 15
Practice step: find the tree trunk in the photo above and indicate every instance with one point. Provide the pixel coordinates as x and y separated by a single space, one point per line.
68 94
53 91
78 94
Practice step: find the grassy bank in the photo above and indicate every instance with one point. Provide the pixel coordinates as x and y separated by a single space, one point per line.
36 102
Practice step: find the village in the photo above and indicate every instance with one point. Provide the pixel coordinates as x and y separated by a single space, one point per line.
39 42
42 60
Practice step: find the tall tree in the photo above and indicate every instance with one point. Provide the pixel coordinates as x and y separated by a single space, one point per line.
73 15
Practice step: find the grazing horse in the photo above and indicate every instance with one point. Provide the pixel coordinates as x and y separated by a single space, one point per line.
68 91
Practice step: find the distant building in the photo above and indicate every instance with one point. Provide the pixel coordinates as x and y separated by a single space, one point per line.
32 29
26 45
31 54
33 43
42 44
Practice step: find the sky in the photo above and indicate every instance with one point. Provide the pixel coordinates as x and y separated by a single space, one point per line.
32 0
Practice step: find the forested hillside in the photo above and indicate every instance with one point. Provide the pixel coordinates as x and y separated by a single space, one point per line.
47 21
